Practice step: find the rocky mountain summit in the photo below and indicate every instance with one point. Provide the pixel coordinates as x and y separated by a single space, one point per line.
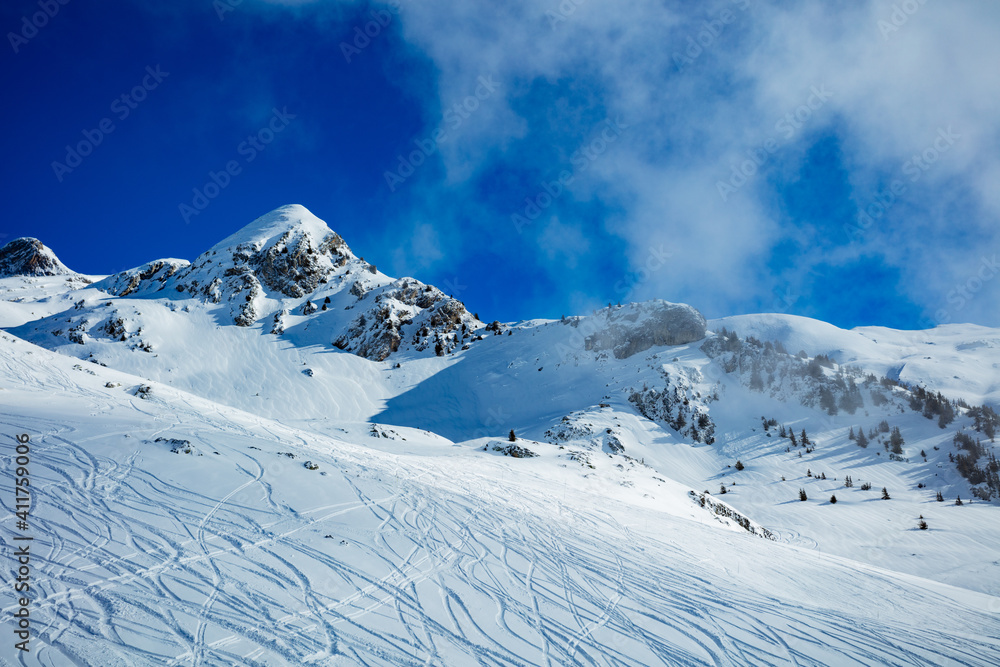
30 257
288 271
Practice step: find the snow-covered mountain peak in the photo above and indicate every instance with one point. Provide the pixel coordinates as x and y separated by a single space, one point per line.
28 256
284 222
286 254
288 271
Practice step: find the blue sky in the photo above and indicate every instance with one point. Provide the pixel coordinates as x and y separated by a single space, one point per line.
532 158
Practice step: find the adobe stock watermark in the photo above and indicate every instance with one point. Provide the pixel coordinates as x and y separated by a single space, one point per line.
223 7
900 16
364 34
608 132
785 299
122 107
31 25
965 292
913 170
788 125
709 33
452 119
655 260
248 149
586 326
562 12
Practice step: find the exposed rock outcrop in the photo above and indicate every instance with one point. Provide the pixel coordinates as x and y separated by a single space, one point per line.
636 327
30 257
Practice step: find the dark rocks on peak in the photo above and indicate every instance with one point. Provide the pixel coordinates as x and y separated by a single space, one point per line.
30 257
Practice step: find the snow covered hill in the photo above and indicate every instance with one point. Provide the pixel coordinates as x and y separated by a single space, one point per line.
961 360
171 530
676 492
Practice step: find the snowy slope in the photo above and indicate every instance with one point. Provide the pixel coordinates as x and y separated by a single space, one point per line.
960 360
238 554
279 341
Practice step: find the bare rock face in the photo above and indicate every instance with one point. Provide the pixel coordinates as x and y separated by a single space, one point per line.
406 305
30 257
150 276
636 327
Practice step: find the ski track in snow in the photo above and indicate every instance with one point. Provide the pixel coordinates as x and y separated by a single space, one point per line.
222 559
440 592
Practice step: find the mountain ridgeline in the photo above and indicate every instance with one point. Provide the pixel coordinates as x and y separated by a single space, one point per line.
292 284
307 459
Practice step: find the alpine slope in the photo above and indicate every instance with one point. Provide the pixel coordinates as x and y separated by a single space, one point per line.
274 454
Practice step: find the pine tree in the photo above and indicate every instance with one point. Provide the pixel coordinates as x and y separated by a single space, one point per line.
791 436
805 438
896 440
862 440
958 500
848 482
922 525
940 498
802 495
885 494
782 432
512 437
833 500
739 465
827 401
851 436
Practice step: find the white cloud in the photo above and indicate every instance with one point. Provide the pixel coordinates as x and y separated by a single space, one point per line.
701 85
890 96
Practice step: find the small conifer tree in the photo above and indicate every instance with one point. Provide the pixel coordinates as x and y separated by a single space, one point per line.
862 439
